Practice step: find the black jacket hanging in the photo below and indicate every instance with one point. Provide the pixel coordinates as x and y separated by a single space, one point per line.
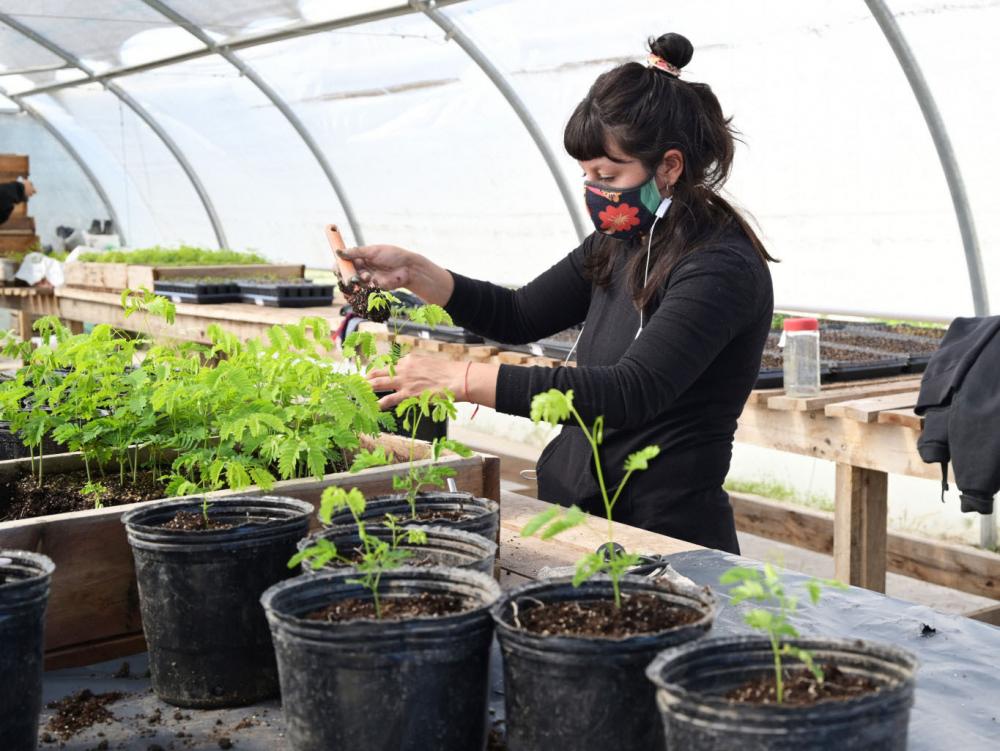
10 195
960 401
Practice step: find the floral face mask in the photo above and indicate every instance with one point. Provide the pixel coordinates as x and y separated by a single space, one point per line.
622 214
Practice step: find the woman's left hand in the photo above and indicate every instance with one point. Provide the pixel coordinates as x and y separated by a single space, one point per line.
416 374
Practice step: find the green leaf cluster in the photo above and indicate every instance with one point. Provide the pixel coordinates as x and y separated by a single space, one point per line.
556 407
378 553
223 415
766 587
185 255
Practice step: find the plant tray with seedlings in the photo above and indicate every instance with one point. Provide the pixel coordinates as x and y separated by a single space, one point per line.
198 292
299 293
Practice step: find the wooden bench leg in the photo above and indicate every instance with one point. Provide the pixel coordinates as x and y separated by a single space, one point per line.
859 527
24 325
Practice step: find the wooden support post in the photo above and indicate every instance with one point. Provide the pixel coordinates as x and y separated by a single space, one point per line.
859 527
75 327
24 325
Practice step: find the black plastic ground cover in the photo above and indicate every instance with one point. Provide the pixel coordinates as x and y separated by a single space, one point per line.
957 691
300 294
957 696
198 293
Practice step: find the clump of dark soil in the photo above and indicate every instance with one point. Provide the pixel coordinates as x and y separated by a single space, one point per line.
638 614
429 516
802 688
357 296
190 521
393 608
80 711
60 492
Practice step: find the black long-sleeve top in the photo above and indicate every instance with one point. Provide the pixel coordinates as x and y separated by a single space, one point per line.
10 195
680 385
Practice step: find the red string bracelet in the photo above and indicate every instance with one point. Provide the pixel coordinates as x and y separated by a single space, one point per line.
476 410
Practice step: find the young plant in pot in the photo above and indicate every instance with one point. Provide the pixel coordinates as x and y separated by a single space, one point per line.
414 505
201 570
351 545
575 648
382 656
24 594
780 691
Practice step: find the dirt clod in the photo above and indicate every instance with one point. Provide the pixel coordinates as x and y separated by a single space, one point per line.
123 672
393 609
802 688
224 742
638 614
81 710
357 297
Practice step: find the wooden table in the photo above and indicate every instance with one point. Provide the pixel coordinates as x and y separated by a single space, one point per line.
28 303
869 430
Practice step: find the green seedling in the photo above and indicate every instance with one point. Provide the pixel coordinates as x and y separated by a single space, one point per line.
360 346
437 406
767 588
377 555
185 255
97 491
556 407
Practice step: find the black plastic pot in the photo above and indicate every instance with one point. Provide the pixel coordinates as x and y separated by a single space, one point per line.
483 514
692 680
587 693
208 640
409 685
12 446
24 593
445 546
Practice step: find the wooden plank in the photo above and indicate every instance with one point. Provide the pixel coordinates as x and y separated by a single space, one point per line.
890 448
17 241
145 276
512 358
24 321
96 651
859 527
989 615
868 409
15 164
481 353
905 417
959 567
103 276
526 555
829 396
22 223
544 362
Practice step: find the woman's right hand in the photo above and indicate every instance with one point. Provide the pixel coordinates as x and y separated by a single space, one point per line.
390 268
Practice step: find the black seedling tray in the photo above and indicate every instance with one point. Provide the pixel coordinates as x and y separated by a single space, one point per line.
454 334
301 294
857 371
198 293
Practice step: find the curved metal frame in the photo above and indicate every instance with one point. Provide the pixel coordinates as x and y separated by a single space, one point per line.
942 143
572 199
251 75
139 110
956 186
75 156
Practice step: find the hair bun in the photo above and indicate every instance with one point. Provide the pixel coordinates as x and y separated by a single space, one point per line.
673 48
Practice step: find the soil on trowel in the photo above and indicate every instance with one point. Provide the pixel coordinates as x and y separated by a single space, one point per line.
22 498
80 711
357 297
638 614
393 608
190 521
802 688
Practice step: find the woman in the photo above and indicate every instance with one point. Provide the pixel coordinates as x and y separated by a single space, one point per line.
673 289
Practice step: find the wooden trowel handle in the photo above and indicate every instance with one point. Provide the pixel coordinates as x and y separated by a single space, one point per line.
345 267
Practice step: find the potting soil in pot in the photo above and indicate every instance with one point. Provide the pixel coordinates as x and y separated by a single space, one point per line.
396 609
801 687
638 614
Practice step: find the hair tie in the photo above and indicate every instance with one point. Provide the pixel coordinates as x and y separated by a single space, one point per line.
655 61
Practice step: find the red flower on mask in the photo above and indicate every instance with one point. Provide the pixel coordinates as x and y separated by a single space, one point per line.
619 218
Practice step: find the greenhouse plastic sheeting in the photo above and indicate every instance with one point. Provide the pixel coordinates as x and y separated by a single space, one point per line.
836 166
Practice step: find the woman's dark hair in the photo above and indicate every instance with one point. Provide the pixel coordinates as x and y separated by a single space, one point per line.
646 111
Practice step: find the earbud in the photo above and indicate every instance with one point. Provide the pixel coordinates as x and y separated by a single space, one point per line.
661 210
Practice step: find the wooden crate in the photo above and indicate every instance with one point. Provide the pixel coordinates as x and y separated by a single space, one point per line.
115 277
16 241
93 612
13 166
